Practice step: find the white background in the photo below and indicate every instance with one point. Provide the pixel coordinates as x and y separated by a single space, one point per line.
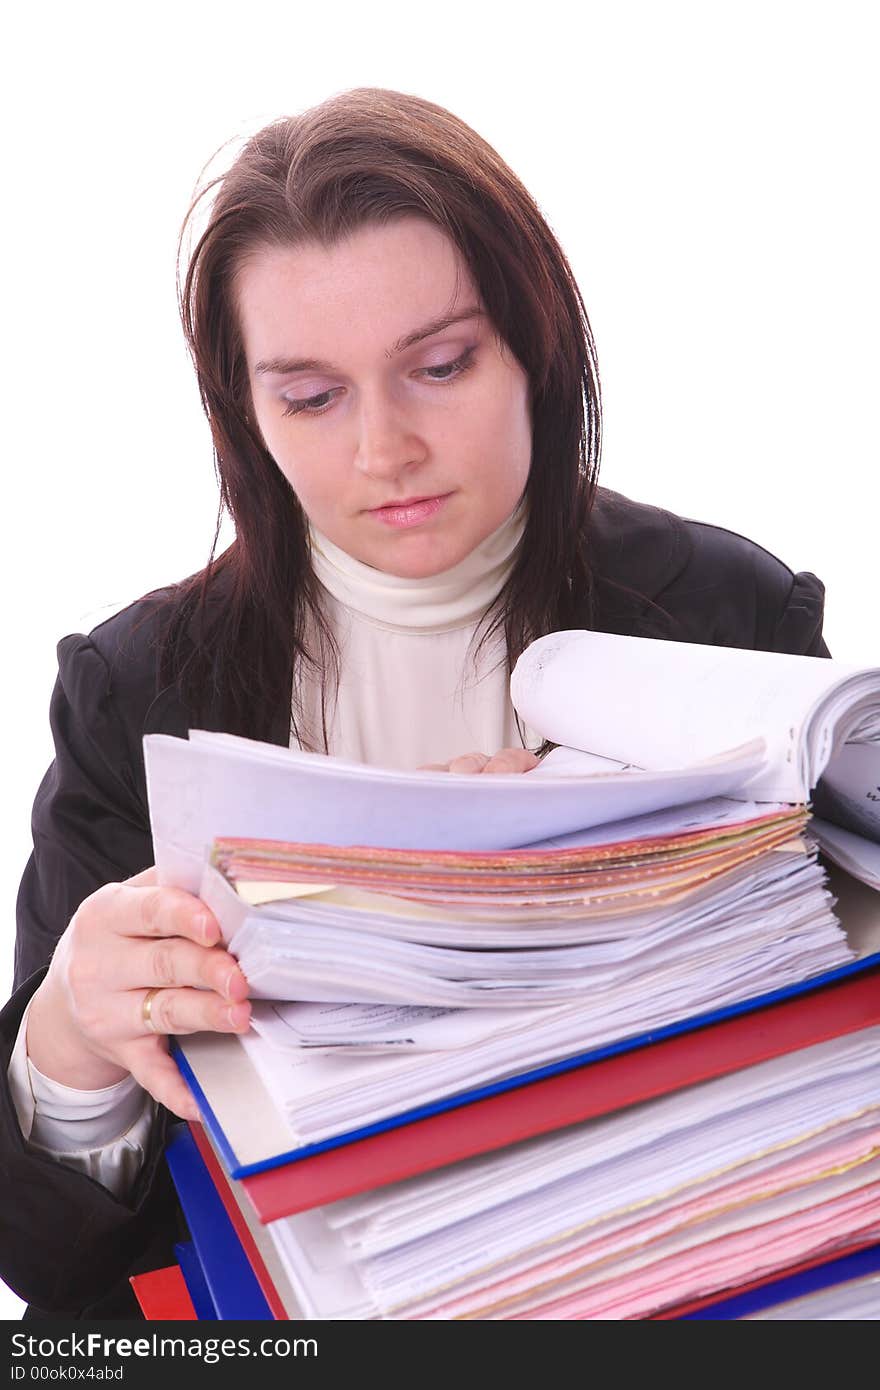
710 169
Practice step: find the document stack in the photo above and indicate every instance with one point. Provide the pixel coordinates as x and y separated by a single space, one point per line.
599 1041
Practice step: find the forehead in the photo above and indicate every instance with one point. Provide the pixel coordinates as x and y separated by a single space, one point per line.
372 286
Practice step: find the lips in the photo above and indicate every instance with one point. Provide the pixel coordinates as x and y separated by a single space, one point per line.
399 502
410 511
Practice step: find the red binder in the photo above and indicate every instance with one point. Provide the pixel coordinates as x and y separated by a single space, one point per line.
222 1183
163 1295
567 1098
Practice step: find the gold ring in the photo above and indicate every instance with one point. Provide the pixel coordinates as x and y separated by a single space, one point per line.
147 1010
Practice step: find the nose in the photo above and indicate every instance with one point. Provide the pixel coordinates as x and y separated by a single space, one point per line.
386 445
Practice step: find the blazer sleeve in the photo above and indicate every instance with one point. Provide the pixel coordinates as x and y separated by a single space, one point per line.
90 821
67 1245
65 1241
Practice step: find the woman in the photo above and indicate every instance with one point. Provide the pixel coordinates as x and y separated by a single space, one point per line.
402 389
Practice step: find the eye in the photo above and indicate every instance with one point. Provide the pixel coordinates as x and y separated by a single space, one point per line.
456 368
310 405
318 405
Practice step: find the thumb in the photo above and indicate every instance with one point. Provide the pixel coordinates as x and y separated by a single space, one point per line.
147 878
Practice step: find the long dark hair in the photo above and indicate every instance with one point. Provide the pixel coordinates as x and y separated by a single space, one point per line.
364 157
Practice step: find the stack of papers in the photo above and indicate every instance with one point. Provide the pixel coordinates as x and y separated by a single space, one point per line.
622 1216
697 1192
669 892
422 948
408 1002
731 1167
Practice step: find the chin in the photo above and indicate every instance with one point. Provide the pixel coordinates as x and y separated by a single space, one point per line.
413 570
418 558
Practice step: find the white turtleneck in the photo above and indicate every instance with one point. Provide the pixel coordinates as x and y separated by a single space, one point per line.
413 687
410 692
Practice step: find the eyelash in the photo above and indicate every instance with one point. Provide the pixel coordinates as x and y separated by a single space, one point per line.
461 365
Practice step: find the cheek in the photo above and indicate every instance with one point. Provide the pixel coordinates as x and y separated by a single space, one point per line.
294 461
498 421
515 429
314 487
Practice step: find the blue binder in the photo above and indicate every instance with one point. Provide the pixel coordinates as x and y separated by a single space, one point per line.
196 1283
229 1285
824 1276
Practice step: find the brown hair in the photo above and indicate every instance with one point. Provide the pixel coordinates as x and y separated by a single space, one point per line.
364 157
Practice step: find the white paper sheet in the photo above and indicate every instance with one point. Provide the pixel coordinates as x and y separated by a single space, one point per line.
217 784
664 704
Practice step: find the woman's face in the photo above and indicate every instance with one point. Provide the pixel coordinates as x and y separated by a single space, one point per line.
407 442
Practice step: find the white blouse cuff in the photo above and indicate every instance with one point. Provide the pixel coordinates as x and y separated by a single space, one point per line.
102 1133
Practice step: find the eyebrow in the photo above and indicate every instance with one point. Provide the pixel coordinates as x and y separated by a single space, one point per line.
282 365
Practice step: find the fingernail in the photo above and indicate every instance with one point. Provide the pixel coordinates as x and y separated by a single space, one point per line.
239 1015
205 925
232 976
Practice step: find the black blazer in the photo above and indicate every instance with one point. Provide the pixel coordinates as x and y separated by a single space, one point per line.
67 1245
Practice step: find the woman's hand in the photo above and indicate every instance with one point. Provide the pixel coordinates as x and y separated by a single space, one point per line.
136 963
506 760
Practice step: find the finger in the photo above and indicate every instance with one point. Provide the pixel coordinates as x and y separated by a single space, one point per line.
173 962
149 911
110 1022
185 1011
469 762
511 760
